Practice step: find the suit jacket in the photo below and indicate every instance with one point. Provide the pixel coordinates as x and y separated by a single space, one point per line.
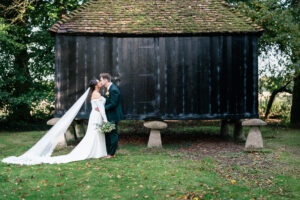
113 105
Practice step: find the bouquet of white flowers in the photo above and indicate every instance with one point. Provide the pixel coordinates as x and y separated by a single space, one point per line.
106 127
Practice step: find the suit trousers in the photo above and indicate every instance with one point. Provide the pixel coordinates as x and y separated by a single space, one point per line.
111 140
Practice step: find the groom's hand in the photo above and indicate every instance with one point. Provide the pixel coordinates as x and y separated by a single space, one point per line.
97 109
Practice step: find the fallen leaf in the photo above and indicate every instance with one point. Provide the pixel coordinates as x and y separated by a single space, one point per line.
87 188
44 181
18 180
88 164
59 184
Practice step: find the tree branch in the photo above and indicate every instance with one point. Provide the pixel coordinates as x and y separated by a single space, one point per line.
273 95
15 12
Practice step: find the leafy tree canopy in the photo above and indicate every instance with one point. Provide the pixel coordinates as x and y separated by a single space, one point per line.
27 52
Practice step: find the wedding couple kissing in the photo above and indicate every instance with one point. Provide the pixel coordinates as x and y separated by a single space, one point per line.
109 109
95 143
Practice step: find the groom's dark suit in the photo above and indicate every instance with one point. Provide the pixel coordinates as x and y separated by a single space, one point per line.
114 114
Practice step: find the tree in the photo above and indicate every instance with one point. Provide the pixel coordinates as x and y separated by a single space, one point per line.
280 20
295 113
27 53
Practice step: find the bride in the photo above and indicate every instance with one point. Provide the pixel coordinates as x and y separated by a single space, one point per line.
91 146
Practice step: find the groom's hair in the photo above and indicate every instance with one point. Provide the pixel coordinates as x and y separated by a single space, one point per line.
106 76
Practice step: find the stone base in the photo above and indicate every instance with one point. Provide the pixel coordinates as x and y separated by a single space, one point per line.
254 140
79 129
154 139
238 134
253 150
75 132
70 135
224 131
61 142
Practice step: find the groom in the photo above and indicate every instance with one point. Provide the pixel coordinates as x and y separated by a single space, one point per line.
114 112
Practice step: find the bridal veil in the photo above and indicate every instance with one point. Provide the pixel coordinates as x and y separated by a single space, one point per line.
45 146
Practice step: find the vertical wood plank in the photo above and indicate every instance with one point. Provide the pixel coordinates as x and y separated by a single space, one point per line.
163 75
224 95
171 77
255 76
58 72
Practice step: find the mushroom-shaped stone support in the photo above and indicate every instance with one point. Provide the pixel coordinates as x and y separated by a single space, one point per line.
254 139
52 121
61 140
72 134
155 138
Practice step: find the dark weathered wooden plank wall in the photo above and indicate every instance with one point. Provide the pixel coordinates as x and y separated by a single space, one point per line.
203 77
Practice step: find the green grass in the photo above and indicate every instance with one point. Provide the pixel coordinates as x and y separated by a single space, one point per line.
169 173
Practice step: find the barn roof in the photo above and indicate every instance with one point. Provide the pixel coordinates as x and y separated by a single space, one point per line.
155 17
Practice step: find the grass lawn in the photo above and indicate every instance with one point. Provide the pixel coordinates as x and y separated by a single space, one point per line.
194 164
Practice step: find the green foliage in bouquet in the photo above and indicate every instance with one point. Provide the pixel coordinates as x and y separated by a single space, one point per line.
106 127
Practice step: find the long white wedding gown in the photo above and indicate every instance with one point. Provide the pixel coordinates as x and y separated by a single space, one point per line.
91 146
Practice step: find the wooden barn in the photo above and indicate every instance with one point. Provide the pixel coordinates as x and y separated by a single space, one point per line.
172 59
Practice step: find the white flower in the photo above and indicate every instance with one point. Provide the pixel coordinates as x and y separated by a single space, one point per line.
106 127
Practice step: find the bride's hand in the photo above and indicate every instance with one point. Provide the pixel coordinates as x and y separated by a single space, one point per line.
104 122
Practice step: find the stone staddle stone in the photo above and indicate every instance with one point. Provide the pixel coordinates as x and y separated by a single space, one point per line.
61 140
52 121
155 125
68 137
155 137
254 122
79 128
254 140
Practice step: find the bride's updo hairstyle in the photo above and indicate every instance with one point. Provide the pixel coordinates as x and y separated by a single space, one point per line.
93 84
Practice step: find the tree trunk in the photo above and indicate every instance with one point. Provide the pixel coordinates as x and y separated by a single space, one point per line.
295 112
273 95
23 82
21 111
